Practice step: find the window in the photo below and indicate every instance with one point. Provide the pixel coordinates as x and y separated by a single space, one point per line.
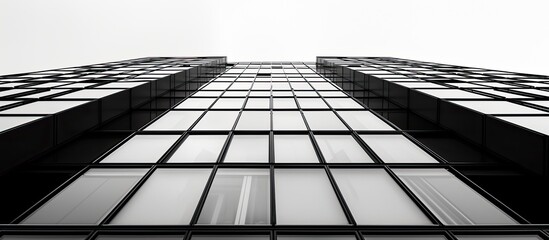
288 120
143 236
211 120
451 200
305 196
248 148
175 120
341 103
323 120
341 149
8 122
229 237
363 120
168 197
89 94
397 149
315 237
43 107
42 237
281 103
199 148
294 149
498 237
375 199
254 120
258 103
196 103
142 149
497 107
88 199
238 197
404 237
228 103
307 103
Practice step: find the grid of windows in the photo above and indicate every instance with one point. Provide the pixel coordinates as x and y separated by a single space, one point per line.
503 112
42 110
271 151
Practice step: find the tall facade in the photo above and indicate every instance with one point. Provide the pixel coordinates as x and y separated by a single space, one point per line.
262 150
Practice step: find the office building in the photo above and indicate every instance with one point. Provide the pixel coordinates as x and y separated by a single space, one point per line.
344 148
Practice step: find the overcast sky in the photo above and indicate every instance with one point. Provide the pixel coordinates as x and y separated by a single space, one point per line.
499 34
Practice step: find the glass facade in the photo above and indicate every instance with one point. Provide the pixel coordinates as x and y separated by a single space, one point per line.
261 150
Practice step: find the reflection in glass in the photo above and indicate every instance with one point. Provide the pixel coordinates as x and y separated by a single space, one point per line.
199 148
498 237
397 149
323 120
238 197
175 120
248 148
363 120
294 149
196 103
254 120
288 120
142 149
375 199
168 197
88 199
341 149
451 200
315 237
305 196
217 120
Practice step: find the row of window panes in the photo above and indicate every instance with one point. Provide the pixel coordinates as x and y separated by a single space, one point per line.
237 93
279 237
170 196
264 103
261 120
390 148
269 86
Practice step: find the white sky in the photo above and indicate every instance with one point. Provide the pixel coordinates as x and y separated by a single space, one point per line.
498 34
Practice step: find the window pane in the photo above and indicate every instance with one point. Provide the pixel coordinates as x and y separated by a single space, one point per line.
153 237
311 103
217 86
288 120
397 149
498 237
279 103
294 149
7 122
43 107
305 196
228 103
341 149
339 103
41 237
175 120
168 197
241 86
238 197
217 120
248 148
375 199
316 237
404 237
196 103
363 120
142 149
199 148
261 103
254 120
451 200
323 120
88 199
225 237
